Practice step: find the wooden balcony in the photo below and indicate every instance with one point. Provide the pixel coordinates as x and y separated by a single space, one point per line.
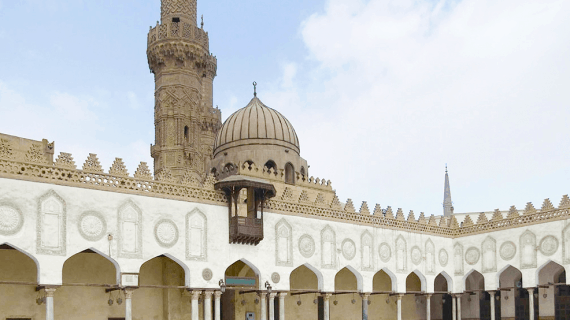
246 230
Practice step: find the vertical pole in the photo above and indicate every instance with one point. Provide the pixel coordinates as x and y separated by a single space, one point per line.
458 307
531 303
208 305
428 307
49 303
453 308
272 306
129 304
326 306
282 305
492 294
217 296
263 305
195 310
365 297
399 306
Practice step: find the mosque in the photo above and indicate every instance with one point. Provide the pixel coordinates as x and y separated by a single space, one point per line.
229 224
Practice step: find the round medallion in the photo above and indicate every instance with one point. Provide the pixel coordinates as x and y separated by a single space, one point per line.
508 250
92 226
306 246
166 233
472 255
207 274
443 257
348 249
548 245
275 277
385 252
11 220
416 255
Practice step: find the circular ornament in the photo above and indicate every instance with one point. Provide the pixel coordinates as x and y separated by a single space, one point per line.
472 255
11 220
166 233
385 252
548 245
275 277
207 274
306 246
92 226
508 250
443 257
416 255
348 249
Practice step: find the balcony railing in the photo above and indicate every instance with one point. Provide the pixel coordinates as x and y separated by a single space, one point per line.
246 230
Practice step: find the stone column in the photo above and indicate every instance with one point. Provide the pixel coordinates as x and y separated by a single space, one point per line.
428 306
272 306
453 309
531 303
458 297
217 296
129 304
399 306
195 310
326 306
263 306
207 305
492 294
282 305
365 297
49 303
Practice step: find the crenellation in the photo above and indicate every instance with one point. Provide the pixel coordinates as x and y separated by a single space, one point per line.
118 168
482 218
364 208
564 202
92 164
65 160
498 216
400 215
422 218
529 209
143 172
378 210
547 205
348 207
411 216
513 213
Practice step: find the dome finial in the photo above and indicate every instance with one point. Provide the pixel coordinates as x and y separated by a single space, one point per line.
255 89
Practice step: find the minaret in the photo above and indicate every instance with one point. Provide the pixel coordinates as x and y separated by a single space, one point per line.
185 121
447 204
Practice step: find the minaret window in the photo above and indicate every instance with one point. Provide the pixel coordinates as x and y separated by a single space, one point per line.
289 173
186 133
271 165
175 19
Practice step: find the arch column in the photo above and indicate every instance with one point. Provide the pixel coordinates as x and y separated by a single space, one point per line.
195 310
530 303
492 304
399 306
272 306
428 306
207 305
217 296
262 305
50 292
458 297
282 305
326 306
453 308
365 297
129 303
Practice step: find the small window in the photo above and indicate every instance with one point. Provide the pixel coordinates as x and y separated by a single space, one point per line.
303 174
186 133
289 173
271 165
173 20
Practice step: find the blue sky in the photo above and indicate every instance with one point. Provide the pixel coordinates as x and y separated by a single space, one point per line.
381 93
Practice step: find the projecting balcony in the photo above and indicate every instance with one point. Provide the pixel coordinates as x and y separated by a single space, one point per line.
246 230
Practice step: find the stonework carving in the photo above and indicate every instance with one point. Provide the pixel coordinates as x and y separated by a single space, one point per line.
548 245
508 250
328 248
472 255
92 225
166 233
196 235
287 194
489 250
275 277
430 257
304 197
384 252
283 243
443 257
130 231
118 168
401 255
11 219
207 274
566 244
348 249
92 164
6 150
416 253
143 172
458 259
35 154
185 7
165 175
528 250
51 224
65 160
306 246
367 252
320 200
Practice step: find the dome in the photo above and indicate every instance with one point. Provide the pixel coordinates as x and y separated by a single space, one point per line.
256 124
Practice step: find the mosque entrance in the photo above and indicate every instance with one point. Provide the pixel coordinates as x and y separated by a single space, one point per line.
240 298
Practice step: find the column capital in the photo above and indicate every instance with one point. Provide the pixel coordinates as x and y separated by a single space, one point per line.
272 295
129 293
428 295
50 291
492 292
327 296
399 296
262 294
282 294
365 295
208 293
217 294
196 294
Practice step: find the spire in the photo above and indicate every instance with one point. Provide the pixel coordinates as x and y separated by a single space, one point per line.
447 204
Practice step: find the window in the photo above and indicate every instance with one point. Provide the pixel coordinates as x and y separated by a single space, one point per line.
271 165
289 173
186 133
173 20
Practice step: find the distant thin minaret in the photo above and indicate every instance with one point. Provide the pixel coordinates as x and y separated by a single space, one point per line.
447 204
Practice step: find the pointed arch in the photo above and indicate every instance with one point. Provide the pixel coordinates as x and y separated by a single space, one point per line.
113 261
314 270
421 277
178 262
89 262
550 268
29 255
489 255
505 270
240 269
355 273
392 277
447 278
473 280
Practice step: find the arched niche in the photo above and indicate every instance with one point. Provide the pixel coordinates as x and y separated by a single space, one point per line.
306 277
348 279
384 280
164 270
242 274
443 282
91 266
415 282
430 257
548 272
474 280
289 173
270 164
511 278
18 265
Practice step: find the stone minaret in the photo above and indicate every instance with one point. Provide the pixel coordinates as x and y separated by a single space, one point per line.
185 120
447 204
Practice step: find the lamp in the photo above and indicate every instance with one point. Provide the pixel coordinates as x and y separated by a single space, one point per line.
268 286
222 285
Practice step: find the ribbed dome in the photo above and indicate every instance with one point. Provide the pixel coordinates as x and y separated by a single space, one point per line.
256 124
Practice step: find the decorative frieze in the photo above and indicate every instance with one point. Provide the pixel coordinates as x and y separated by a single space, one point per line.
11 219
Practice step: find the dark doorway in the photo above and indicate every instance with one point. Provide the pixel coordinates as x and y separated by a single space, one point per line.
447 307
